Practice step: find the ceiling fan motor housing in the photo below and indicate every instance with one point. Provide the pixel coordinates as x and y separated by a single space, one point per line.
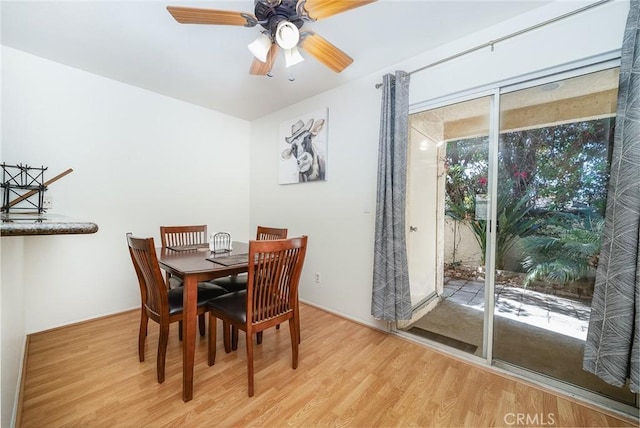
270 16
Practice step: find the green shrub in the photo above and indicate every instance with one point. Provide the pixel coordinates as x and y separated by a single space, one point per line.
565 250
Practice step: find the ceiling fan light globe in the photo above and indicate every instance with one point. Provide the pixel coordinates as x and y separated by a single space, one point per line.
292 57
287 35
260 47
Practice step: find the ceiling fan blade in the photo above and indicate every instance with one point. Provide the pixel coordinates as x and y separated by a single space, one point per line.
259 68
318 9
319 48
191 15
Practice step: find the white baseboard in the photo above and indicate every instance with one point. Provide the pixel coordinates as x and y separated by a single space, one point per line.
17 398
376 326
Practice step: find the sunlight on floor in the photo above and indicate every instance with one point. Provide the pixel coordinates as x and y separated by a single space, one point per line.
569 317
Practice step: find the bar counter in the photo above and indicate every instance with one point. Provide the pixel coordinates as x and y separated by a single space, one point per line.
19 224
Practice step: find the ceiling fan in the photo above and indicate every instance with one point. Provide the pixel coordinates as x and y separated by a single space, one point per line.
282 21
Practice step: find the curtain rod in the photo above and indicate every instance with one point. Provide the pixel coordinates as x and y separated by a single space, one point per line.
491 43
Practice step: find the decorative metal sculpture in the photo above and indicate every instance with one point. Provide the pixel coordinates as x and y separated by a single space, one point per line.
17 179
25 182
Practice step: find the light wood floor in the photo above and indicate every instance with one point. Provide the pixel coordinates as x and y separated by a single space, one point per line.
348 375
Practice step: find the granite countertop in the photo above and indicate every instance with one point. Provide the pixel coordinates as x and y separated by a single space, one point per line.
22 224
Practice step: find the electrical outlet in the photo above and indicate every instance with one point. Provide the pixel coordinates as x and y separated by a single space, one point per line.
47 203
317 277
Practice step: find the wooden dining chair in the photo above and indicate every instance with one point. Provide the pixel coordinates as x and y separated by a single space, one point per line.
183 235
239 282
270 298
179 236
159 303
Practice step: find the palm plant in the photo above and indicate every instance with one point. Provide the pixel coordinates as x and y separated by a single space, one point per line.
566 253
513 219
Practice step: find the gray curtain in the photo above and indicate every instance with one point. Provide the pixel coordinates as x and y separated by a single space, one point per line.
611 351
391 297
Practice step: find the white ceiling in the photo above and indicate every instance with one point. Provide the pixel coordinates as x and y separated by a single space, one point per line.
139 43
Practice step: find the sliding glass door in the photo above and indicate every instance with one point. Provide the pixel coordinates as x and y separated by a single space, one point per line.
555 141
447 194
506 202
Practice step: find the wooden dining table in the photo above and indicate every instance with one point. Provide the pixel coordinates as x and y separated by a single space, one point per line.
192 266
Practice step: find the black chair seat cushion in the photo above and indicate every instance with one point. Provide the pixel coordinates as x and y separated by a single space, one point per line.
204 295
232 305
175 282
232 283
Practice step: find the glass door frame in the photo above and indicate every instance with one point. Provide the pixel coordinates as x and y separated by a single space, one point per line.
435 104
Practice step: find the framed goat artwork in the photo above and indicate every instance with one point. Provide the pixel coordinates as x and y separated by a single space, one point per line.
303 148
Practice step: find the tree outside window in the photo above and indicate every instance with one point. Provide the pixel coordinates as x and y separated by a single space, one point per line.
549 179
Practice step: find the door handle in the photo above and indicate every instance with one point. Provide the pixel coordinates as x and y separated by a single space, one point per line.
413 229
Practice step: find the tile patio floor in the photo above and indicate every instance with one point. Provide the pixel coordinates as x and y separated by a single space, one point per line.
554 313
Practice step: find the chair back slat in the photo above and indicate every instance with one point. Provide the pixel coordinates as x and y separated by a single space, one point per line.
153 289
269 233
272 287
183 235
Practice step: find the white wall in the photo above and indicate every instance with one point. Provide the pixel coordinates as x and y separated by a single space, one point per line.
464 245
338 214
12 329
139 159
577 38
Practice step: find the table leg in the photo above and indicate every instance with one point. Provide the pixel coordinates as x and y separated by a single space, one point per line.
189 334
